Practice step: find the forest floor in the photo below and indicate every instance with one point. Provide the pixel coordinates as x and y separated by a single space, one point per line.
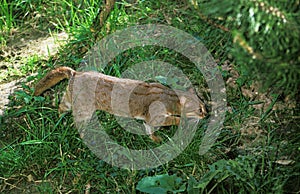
257 150
23 45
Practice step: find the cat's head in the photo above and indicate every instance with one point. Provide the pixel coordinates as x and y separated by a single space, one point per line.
192 106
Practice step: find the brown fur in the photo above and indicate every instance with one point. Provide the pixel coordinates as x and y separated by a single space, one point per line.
154 103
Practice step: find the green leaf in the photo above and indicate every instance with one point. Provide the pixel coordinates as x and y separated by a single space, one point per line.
218 171
161 79
192 182
161 184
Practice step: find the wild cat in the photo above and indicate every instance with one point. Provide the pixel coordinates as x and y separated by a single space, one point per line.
154 103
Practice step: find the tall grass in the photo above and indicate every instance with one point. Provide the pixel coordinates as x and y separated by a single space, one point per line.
41 151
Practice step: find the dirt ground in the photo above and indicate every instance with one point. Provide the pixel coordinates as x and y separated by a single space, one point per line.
19 47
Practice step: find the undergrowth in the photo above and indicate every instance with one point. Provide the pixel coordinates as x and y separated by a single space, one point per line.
41 151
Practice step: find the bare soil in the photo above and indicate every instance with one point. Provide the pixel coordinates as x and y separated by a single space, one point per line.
21 45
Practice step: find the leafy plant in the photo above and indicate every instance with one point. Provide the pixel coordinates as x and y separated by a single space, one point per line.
241 174
266 40
161 184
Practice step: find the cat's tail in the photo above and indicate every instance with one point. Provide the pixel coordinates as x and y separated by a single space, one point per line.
52 78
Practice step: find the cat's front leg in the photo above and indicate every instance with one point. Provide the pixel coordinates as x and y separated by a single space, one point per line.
150 131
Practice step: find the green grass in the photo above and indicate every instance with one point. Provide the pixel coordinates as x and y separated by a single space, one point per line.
41 152
7 19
